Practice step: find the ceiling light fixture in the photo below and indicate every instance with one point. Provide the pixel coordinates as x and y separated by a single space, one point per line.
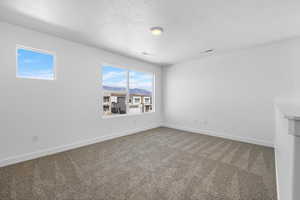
145 53
208 51
157 30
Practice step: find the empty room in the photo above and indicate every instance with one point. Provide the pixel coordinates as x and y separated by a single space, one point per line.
149 100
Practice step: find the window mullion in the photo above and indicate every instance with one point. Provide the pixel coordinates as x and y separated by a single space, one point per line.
127 92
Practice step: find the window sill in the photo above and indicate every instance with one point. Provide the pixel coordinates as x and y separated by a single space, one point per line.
126 115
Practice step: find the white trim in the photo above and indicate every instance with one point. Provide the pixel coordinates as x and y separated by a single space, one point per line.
277 179
58 149
126 115
127 91
153 92
222 135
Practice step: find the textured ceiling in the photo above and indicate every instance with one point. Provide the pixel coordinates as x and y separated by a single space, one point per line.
191 26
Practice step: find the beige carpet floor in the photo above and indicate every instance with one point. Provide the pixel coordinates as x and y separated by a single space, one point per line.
159 164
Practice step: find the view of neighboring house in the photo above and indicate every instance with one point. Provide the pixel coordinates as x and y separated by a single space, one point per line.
139 103
114 100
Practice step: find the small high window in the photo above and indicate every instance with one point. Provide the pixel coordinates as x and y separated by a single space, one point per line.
35 64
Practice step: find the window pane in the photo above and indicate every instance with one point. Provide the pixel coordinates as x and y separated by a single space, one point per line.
140 92
114 83
34 64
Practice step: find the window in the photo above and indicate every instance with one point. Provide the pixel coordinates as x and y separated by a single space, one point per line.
126 91
35 64
136 100
140 88
147 100
114 83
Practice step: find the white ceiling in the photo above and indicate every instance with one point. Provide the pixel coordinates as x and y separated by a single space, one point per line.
191 26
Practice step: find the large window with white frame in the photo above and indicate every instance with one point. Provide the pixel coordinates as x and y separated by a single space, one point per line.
35 64
126 91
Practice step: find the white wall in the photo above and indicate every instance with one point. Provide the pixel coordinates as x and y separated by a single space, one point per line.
232 94
63 113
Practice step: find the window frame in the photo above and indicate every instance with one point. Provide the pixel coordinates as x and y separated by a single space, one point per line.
38 51
127 91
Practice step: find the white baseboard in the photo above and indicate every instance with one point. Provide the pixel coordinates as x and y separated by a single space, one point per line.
222 135
58 149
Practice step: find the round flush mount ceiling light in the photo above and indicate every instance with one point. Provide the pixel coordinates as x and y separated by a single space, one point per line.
157 30
208 51
145 53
